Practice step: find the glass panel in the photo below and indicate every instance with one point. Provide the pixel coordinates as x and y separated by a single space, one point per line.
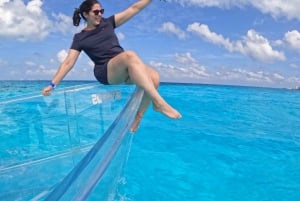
31 128
43 138
91 172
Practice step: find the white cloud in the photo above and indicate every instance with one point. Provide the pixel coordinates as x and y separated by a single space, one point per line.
204 31
62 24
185 58
250 77
171 28
3 1
294 65
2 62
188 68
61 55
28 22
293 39
258 47
279 77
34 6
253 44
23 22
185 68
39 71
30 63
294 80
277 43
120 36
168 72
280 8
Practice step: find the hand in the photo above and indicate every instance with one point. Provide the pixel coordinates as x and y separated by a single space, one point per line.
47 90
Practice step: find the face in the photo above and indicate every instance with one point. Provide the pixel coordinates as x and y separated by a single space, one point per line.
94 16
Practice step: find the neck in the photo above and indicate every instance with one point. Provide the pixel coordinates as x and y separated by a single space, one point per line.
89 27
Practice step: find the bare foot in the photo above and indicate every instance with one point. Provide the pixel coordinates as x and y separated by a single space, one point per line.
167 110
136 123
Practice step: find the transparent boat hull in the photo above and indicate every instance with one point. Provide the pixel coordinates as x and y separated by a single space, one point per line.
44 140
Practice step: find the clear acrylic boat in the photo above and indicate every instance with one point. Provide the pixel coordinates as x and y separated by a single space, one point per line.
71 145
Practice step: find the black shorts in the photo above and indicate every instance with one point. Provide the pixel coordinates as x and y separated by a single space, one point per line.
100 72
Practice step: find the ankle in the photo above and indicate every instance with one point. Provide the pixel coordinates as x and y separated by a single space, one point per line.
139 115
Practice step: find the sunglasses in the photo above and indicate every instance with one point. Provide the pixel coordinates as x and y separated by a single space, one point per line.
96 12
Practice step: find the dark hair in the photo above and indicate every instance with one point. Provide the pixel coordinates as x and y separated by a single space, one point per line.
84 7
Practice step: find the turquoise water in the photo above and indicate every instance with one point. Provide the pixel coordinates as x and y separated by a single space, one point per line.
233 143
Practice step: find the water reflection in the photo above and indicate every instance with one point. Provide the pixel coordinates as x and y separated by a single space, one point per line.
25 121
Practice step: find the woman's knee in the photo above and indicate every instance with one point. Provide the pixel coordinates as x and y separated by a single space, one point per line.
130 56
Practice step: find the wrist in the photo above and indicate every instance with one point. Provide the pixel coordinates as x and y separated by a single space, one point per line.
53 85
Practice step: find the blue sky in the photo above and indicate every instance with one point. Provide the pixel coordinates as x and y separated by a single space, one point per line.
237 42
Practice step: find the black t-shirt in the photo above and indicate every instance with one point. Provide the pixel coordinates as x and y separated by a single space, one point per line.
100 44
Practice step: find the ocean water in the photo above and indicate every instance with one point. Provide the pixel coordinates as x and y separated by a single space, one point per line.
233 143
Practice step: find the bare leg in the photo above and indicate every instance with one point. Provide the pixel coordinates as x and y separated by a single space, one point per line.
146 100
128 64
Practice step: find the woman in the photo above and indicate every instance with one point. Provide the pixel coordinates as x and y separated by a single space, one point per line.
113 65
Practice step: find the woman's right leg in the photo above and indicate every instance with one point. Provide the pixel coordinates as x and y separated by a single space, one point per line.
146 100
128 64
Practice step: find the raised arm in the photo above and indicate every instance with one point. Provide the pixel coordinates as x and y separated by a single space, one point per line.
135 8
63 70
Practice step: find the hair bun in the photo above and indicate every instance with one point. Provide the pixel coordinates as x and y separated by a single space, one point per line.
76 17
